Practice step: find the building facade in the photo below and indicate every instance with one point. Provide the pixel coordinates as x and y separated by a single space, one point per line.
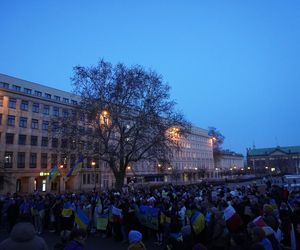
277 160
28 152
229 162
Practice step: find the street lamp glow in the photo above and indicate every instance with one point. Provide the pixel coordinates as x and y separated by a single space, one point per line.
266 167
242 169
249 168
61 166
169 168
128 168
230 169
93 163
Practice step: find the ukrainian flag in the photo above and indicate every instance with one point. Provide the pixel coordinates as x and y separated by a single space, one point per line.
81 218
67 210
75 169
53 173
198 222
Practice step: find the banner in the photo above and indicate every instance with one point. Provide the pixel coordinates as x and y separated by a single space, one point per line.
149 217
102 222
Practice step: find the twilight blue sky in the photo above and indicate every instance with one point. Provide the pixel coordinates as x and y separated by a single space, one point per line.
231 64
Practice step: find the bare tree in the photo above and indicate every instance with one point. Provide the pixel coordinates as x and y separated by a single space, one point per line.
218 140
124 116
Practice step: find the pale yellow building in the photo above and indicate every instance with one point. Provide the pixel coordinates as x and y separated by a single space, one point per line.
27 152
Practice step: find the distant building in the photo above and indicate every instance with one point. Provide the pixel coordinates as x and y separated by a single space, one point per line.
229 161
28 152
277 159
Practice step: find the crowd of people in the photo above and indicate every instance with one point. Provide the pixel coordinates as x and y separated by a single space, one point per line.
189 217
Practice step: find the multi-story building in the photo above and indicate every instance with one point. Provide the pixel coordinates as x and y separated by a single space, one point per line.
229 161
28 151
277 159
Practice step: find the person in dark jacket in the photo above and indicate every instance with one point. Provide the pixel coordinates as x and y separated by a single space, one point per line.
23 237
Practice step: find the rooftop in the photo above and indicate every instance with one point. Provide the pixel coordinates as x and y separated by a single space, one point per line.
267 151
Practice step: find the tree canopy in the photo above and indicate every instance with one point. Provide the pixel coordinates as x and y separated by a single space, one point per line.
124 115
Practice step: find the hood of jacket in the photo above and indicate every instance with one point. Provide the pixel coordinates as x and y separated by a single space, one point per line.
22 232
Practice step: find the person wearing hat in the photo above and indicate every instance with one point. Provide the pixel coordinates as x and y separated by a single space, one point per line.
135 241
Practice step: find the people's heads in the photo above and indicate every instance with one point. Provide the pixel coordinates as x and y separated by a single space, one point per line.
268 209
134 237
79 235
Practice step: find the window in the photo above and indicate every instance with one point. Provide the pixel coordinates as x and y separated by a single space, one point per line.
22 140
27 91
0 119
65 113
44 160
24 105
1 101
23 122
53 159
35 107
55 111
57 98
74 102
72 160
44 141
8 158
4 85
37 93
54 142
65 100
11 120
46 110
84 179
21 160
48 96
45 125
34 123
32 162
88 179
12 103
54 126
33 140
16 88
9 138
64 143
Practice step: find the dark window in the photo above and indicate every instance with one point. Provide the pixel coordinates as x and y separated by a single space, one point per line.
23 122
88 179
34 123
22 140
11 120
44 141
24 105
81 117
16 88
8 158
57 98
46 110
9 138
55 111
84 179
4 85
64 143
37 93
1 101
74 102
27 91
35 107
21 160
72 160
48 96
45 125
65 113
54 126
65 100
54 142
12 103
53 159
0 119
33 140
33 160
44 160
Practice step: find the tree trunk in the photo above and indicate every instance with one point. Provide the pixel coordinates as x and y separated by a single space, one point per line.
120 178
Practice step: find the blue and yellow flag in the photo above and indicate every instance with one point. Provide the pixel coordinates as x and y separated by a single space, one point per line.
75 169
53 173
198 222
81 218
67 210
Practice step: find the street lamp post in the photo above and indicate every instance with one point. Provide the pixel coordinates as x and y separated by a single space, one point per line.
93 163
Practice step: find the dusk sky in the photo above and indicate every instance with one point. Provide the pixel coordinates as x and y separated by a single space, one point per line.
234 65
